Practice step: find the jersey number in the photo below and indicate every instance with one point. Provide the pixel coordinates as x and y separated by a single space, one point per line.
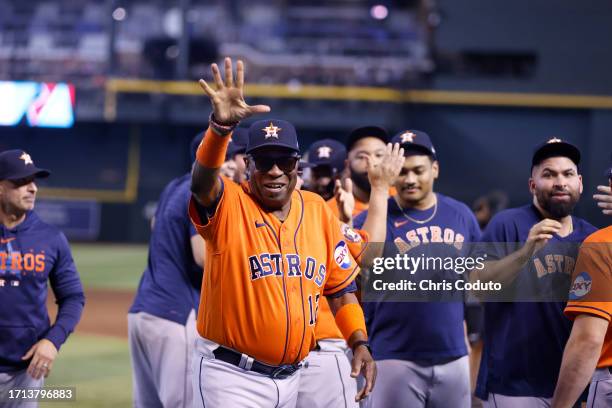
314 308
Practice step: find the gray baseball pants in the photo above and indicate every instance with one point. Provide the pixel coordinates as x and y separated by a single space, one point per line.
407 384
17 379
161 352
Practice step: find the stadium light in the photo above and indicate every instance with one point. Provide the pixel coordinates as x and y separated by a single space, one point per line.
119 14
379 12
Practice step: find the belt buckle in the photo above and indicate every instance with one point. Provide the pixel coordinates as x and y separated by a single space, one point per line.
278 373
284 371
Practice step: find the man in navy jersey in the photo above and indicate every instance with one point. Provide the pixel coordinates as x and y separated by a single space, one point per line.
161 321
420 347
32 253
535 253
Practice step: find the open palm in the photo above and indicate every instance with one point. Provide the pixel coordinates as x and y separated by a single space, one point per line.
227 100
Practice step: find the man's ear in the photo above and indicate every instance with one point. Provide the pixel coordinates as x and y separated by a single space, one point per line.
435 169
531 183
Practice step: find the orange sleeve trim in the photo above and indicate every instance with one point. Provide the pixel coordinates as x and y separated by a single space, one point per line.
571 310
350 319
212 149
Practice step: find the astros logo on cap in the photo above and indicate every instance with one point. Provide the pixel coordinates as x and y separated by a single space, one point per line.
554 140
324 152
407 137
26 158
272 131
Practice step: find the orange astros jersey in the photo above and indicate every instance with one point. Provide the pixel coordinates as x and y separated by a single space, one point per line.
360 206
326 327
591 291
264 279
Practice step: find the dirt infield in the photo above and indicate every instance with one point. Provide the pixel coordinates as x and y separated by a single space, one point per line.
105 312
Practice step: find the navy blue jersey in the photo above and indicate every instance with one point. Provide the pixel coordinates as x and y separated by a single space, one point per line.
170 285
430 331
524 341
32 254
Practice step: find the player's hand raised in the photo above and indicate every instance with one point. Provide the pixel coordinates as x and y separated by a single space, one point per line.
539 235
604 199
383 174
363 363
343 193
227 100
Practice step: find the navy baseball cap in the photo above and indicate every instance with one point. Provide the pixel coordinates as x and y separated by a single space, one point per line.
238 142
555 147
366 131
272 133
17 164
327 152
415 140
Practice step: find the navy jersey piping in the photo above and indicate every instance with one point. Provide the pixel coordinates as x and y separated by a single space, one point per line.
301 280
284 291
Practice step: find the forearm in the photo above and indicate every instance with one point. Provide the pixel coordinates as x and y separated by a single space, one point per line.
350 319
68 315
504 270
376 223
205 183
577 367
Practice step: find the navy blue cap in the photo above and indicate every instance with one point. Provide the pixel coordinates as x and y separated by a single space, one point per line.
366 131
412 140
555 147
304 165
327 152
17 164
272 133
238 142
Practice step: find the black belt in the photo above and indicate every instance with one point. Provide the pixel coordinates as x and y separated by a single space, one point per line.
250 364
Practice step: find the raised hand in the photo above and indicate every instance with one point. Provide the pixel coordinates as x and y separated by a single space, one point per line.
227 100
383 174
604 199
540 234
343 193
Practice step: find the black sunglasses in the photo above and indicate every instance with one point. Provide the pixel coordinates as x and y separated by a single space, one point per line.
285 163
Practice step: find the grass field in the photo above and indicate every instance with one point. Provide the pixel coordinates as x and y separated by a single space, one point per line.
110 266
99 369
99 366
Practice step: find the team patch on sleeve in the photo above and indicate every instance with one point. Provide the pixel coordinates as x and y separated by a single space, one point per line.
350 234
341 255
581 286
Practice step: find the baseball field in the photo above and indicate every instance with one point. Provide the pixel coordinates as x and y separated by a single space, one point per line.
95 359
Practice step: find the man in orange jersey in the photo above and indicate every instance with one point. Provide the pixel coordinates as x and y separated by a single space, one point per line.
365 143
274 252
326 367
588 352
326 379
